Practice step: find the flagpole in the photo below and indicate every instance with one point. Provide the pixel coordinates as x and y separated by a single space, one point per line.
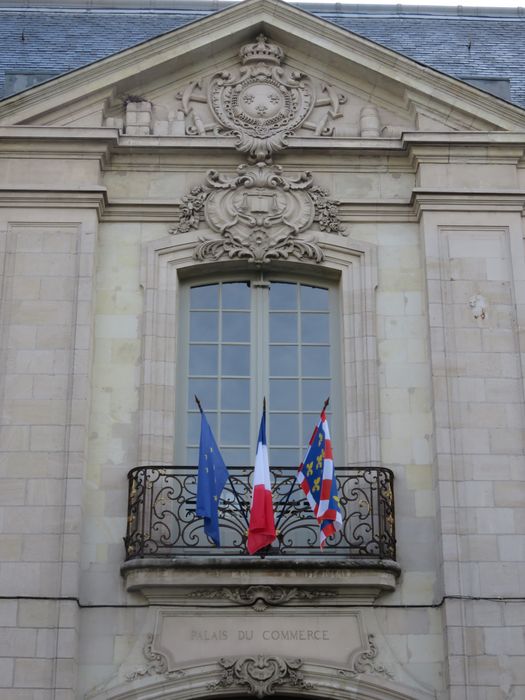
292 486
229 477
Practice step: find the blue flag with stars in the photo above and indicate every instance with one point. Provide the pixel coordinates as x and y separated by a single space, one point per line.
211 478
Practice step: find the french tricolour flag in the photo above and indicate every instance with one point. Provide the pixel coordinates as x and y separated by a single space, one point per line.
261 530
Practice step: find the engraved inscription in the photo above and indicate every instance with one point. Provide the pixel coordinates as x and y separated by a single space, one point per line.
183 636
301 635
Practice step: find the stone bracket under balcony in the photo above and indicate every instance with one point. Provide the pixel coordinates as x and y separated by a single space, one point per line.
260 583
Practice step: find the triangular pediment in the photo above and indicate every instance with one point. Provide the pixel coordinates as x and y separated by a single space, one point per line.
351 87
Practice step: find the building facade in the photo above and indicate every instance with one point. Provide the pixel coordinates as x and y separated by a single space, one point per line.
259 204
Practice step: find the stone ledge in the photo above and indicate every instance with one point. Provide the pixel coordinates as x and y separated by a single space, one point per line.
311 581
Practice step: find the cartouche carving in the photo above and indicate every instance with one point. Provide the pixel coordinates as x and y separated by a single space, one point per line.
261 103
259 214
261 674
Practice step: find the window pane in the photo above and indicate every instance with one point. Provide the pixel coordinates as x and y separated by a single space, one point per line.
315 361
204 325
314 328
194 426
236 360
193 456
310 421
284 429
314 392
206 390
236 457
236 295
235 429
206 297
235 394
314 298
283 361
203 359
284 394
282 457
235 326
283 328
283 295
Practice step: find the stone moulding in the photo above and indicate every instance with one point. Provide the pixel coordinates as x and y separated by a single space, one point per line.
260 215
261 675
261 597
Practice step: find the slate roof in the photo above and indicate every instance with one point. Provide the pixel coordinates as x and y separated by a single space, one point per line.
463 42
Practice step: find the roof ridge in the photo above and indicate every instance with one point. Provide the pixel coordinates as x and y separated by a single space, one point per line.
318 8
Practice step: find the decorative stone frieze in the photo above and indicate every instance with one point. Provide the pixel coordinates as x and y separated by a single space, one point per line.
260 675
262 597
259 215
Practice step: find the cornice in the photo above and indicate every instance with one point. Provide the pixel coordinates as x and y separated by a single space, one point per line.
467 200
380 210
58 142
45 140
39 198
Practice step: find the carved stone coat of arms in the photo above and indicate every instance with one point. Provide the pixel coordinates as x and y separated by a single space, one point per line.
259 214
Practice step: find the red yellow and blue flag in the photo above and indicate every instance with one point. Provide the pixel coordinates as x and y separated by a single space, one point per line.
317 479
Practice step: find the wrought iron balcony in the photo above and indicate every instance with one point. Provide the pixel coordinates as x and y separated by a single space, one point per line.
162 521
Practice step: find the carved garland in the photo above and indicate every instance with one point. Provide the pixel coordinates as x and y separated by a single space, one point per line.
261 674
262 597
259 215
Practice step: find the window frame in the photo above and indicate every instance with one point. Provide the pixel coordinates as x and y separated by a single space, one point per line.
259 343
168 263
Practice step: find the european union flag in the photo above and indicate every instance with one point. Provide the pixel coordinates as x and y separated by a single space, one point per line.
211 479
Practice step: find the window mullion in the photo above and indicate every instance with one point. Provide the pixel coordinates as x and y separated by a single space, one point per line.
260 348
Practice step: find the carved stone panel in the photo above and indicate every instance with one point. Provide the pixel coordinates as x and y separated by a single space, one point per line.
261 102
181 636
259 214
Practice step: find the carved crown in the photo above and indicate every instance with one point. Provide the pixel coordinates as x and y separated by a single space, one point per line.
261 50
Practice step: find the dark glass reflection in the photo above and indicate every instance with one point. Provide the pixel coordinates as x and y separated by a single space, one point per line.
236 295
205 297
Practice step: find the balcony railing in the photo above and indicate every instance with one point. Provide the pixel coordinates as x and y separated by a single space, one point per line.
162 521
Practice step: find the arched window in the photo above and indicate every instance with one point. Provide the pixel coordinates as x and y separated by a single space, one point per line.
251 336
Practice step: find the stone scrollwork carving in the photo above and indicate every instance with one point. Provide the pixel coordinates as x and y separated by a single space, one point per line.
261 103
364 661
157 664
260 214
261 597
261 675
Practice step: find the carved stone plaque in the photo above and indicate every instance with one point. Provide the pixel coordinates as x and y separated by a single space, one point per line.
183 636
